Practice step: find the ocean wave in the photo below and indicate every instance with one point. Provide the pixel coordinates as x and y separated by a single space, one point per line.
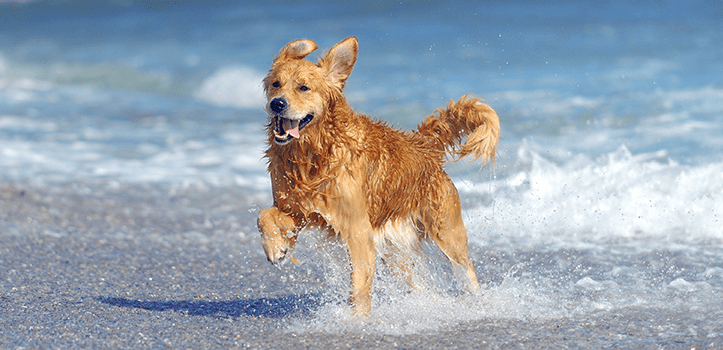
235 86
17 77
645 199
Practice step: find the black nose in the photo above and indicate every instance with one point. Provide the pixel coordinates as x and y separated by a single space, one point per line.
278 105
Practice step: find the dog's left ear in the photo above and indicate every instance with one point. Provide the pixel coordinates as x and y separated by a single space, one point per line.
296 50
340 60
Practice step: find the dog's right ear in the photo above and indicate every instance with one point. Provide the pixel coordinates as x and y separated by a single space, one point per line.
296 50
340 61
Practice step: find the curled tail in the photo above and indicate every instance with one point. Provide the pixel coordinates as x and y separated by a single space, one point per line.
469 118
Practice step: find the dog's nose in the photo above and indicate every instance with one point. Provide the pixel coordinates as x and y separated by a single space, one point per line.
278 105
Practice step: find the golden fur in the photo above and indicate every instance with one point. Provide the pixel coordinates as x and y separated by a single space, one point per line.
357 178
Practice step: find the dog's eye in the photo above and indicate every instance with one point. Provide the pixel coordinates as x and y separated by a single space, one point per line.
303 88
276 84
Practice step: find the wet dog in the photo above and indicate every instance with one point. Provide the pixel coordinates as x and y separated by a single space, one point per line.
342 172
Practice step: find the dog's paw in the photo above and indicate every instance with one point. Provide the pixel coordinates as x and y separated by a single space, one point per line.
275 248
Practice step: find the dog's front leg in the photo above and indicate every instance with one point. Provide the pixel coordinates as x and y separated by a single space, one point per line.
362 253
278 233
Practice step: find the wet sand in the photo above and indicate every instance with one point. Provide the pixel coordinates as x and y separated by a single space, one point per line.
98 266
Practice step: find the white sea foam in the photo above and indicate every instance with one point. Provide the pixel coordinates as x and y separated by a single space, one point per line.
22 89
527 292
434 304
236 86
428 310
617 198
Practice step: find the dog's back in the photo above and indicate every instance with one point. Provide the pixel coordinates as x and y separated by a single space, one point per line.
406 177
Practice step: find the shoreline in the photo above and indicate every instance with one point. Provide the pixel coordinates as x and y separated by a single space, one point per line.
134 268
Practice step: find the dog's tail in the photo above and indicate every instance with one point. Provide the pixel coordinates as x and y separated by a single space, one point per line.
467 117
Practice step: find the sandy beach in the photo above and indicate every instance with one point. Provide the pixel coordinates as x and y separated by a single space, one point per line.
92 268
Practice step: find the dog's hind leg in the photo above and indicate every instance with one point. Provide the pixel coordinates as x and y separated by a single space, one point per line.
447 229
452 240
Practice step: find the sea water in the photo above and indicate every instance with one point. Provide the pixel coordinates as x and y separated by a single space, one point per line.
605 196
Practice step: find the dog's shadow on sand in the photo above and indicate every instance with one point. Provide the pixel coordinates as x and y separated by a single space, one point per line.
277 307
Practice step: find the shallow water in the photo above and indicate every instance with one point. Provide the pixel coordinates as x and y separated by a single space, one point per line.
601 213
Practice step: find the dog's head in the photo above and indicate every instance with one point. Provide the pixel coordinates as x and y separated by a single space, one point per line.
299 92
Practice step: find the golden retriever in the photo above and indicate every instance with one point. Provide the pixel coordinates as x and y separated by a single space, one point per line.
356 178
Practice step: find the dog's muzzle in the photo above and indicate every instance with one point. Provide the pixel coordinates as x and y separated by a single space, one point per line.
286 129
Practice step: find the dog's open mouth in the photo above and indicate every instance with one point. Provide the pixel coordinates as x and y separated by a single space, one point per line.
286 129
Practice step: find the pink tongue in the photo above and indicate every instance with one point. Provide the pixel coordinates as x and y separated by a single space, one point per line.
294 132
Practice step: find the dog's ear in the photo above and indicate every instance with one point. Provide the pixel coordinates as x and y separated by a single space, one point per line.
340 60
296 49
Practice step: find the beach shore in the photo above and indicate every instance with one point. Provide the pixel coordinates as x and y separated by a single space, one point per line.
150 267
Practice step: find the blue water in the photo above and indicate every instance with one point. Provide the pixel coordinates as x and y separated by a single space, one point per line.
611 119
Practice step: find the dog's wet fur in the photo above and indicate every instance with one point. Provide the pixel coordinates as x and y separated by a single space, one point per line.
358 179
